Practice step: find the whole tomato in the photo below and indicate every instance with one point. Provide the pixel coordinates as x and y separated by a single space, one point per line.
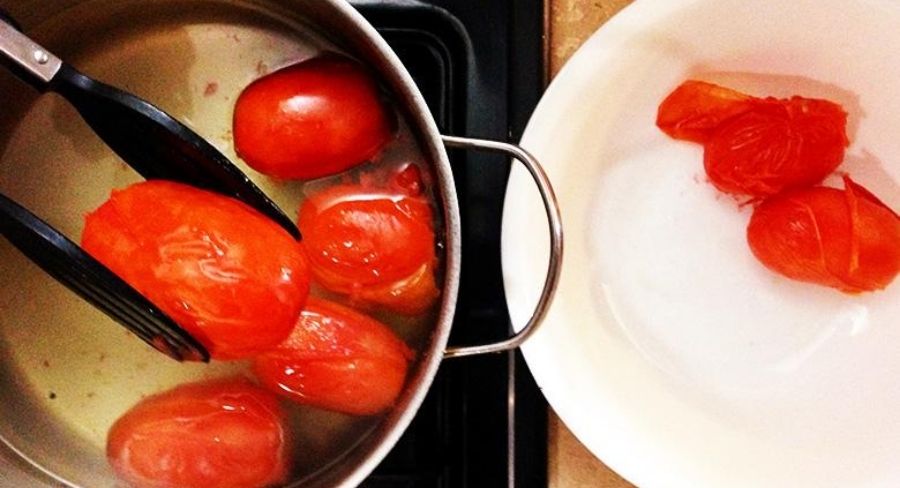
231 277
845 239
756 146
777 145
311 119
226 434
375 244
337 359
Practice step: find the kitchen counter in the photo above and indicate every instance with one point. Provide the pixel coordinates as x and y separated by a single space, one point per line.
570 465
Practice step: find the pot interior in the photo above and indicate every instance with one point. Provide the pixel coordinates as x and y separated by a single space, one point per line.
67 372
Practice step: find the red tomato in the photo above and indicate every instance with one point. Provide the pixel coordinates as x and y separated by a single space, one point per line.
775 145
375 245
696 109
231 277
223 434
847 239
408 180
337 359
315 118
413 295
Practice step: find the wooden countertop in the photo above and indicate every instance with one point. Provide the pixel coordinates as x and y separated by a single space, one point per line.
570 465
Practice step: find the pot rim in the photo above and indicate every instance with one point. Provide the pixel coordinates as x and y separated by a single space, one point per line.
423 125
407 94
365 43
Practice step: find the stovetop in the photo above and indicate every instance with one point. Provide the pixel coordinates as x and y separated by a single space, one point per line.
480 67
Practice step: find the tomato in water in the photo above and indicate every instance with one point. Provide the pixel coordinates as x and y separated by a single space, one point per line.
375 244
696 109
315 118
777 145
225 433
337 359
845 239
410 296
231 277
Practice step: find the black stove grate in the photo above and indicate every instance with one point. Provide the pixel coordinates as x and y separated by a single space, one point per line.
480 68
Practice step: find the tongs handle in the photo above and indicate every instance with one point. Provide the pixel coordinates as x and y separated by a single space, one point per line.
152 142
29 60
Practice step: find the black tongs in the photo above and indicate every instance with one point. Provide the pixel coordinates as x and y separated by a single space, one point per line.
153 143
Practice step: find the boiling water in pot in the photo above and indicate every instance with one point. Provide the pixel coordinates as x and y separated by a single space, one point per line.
68 372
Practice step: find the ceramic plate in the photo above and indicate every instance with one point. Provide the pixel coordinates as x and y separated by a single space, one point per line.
670 352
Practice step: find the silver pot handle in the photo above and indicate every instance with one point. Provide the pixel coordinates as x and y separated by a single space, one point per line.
551 205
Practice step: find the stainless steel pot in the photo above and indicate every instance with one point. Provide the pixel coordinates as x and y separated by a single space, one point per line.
62 457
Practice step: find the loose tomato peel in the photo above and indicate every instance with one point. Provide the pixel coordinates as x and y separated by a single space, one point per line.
337 359
696 109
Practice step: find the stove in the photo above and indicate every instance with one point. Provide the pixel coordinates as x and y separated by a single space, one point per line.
480 66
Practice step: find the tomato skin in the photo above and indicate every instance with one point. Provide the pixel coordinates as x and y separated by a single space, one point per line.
776 145
225 433
410 296
337 359
847 240
408 180
755 146
231 277
696 109
374 245
315 118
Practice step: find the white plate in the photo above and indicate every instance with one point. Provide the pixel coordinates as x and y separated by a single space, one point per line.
669 351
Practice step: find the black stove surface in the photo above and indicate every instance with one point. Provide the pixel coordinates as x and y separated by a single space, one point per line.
480 67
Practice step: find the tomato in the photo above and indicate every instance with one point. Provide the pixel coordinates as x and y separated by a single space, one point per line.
226 433
231 277
756 146
696 109
337 359
847 239
408 180
311 119
374 244
776 145
412 295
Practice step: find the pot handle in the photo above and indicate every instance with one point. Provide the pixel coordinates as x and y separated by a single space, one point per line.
551 206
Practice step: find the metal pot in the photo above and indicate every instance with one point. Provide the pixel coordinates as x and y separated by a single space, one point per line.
38 452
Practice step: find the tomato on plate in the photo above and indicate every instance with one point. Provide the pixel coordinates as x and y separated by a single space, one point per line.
846 239
375 244
337 359
315 118
231 277
225 433
696 109
777 145
756 146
